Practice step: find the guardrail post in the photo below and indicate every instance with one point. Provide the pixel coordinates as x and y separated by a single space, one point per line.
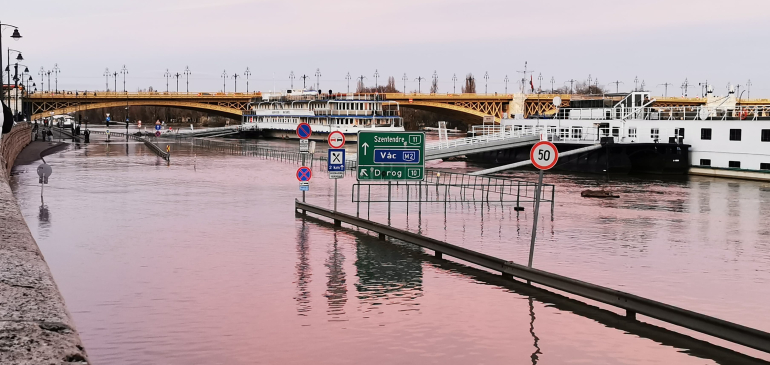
630 314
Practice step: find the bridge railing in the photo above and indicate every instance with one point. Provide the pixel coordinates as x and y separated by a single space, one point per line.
85 94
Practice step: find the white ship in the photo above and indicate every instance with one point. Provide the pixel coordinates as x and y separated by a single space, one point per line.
277 115
721 137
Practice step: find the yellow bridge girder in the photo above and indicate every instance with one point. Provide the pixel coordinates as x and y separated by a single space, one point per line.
470 108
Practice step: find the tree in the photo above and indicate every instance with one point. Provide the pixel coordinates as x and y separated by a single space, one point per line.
434 86
470 84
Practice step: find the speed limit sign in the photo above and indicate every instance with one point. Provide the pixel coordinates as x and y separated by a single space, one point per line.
544 155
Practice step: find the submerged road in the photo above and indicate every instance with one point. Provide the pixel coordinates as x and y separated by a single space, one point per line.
203 261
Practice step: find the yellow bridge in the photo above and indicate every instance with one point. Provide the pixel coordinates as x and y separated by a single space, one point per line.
470 108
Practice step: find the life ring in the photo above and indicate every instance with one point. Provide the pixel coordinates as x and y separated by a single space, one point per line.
744 114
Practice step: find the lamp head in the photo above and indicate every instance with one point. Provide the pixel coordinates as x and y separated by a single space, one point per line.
16 35
19 57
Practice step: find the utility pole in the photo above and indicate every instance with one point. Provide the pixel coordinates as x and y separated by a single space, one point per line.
106 79
419 82
454 83
666 85
376 76
318 79
505 80
291 79
347 77
524 76
304 77
56 71
187 78
124 72
617 85
404 78
235 79
486 81
224 81
166 75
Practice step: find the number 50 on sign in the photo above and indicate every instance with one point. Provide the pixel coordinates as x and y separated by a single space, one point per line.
544 155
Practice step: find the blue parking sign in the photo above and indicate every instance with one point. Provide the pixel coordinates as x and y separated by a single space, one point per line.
336 159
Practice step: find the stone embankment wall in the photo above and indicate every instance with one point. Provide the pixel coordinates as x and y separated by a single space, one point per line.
35 326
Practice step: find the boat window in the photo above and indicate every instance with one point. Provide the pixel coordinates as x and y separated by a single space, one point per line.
735 134
632 132
705 133
654 133
564 133
766 135
615 131
577 132
735 164
705 162
764 166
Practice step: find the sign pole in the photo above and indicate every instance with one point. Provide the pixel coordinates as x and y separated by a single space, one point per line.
303 164
538 191
335 195
544 156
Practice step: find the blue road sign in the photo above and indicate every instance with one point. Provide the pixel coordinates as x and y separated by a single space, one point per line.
108 119
304 131
336 159
304 174
157 127
396 156
304 188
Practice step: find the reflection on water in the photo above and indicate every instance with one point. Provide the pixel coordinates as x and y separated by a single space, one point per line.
304 271
535 339
387 276
43 216
336 285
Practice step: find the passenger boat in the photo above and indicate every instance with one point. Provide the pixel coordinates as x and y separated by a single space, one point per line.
277 114
721 137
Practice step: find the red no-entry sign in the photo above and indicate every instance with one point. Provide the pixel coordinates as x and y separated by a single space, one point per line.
544 155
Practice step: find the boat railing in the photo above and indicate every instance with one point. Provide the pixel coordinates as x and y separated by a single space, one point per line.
694 112
501 134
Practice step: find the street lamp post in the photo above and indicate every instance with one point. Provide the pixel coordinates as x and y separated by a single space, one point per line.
15 36
224 81
56 71
486 81
318 79
177 75
454 83
419 83
552 81
106 79
166 75
292 77
404 78
540 83
376 76
48 73
506 84
42 78
124 72
235 79
247 73
187 79
435 80
8 67
347 77
115 79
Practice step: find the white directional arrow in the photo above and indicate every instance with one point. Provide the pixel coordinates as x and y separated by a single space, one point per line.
363 173
365 146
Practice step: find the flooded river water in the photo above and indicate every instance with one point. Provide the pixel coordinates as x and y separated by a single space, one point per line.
203 261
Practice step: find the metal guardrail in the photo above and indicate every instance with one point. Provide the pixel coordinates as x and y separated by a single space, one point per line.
632 304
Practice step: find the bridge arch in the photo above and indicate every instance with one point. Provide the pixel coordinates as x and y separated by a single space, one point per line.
225 111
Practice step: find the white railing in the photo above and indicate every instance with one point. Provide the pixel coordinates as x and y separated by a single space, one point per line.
739 112
501 134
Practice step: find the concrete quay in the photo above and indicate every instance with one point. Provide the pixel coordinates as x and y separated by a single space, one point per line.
35 326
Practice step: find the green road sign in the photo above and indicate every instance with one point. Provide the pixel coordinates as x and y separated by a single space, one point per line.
391 155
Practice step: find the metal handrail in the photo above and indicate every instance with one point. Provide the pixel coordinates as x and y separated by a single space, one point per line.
631 303
503 135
